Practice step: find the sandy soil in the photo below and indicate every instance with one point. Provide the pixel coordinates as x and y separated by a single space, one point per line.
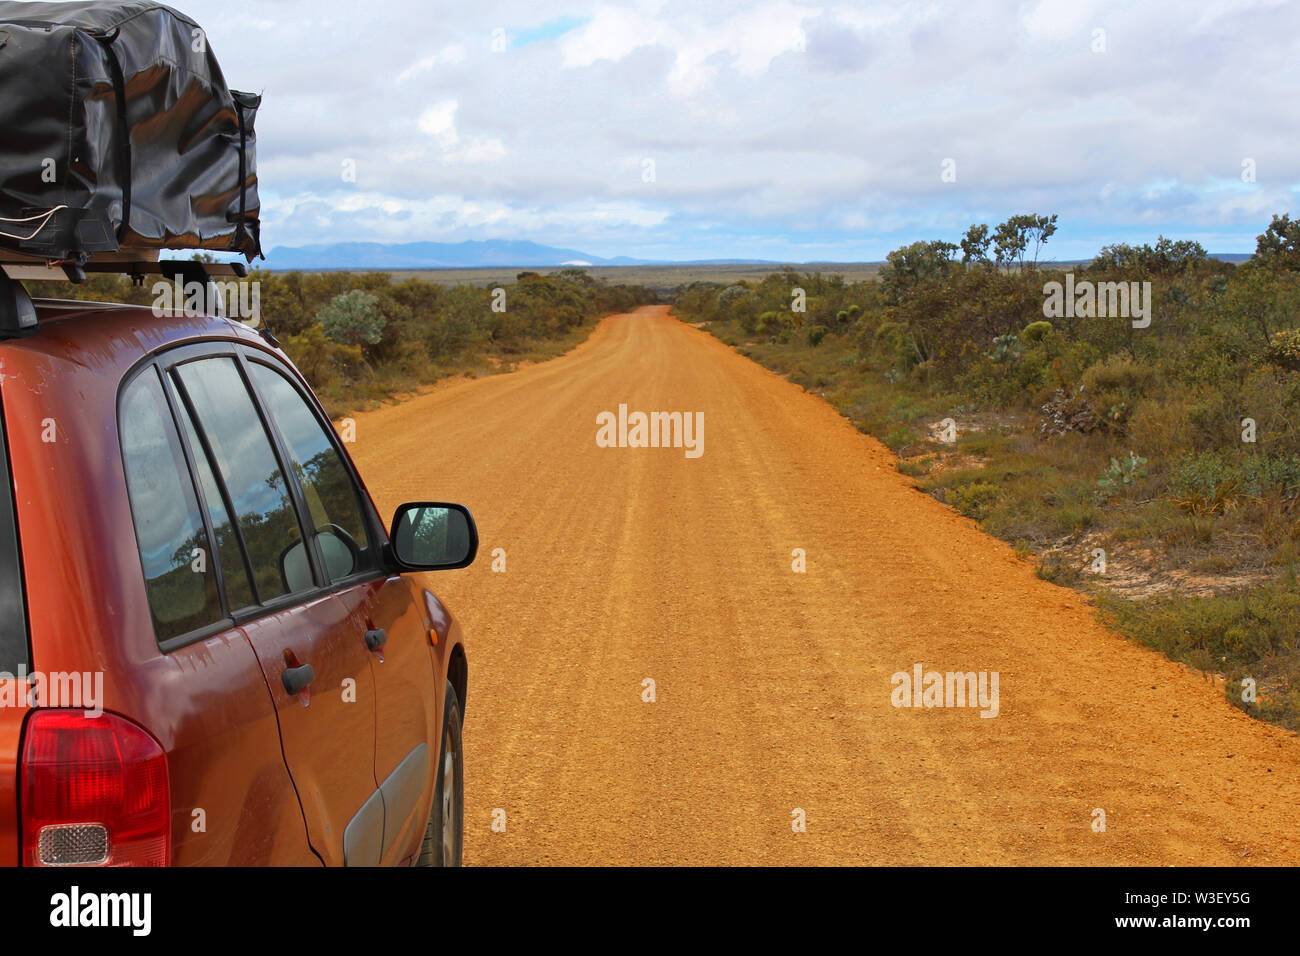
772 689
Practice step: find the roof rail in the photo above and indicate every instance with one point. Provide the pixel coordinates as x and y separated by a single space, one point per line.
18 314
137 267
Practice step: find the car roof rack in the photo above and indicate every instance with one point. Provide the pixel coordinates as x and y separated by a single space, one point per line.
135 265
18 313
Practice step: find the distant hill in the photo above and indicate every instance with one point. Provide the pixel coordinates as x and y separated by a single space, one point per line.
452 255
506 253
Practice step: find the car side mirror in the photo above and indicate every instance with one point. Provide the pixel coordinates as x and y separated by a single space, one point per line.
433 536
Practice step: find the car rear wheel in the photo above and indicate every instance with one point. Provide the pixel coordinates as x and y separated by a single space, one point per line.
444 838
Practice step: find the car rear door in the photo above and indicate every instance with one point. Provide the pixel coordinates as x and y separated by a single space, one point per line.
14 659
383 608
310 649
207 700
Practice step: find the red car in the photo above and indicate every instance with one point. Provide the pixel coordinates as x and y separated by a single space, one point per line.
214 653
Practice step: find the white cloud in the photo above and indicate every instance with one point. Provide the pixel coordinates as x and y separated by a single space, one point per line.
439 121
478 150
748 41
612 34
795 124
1061 19
448 55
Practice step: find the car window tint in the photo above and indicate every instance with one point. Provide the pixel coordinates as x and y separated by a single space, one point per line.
332 496
248 467
234 575
180 576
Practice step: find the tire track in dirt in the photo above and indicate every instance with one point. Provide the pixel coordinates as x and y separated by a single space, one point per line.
773 688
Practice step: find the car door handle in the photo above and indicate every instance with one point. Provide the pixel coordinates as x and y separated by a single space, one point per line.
376 638
297 679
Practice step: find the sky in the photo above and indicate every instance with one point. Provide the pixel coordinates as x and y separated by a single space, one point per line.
792 131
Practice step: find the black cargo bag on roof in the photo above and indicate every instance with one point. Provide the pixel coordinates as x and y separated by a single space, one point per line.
118 134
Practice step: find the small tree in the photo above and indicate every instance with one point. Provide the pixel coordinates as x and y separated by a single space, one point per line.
975 244
1279 246
353 318
1012 238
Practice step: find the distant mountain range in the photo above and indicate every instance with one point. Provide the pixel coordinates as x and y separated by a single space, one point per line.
492 253
488 253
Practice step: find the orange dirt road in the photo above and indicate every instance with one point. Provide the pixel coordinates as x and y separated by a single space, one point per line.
772 689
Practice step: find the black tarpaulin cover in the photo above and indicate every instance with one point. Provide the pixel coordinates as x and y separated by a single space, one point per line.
119 114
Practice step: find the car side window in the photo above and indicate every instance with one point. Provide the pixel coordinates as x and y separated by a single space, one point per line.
245 461
332 497
176 556
234 575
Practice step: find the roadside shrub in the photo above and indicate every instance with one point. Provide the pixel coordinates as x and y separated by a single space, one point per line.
1284 349
769 323
352 318
1264 474
1114 386
816 334
1006 349
899 437
1161 426
1119 373
1122 473
322 361
975 499
891 340
916 469
1207 483
730 294
1035 332
1058 571
1228 633
454 325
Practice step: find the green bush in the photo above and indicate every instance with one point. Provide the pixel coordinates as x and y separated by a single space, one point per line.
1122 473
1211 474
1006 349
1264 474
1284 349
1035 332
899 437
892 342
1115 385
352 318
975 499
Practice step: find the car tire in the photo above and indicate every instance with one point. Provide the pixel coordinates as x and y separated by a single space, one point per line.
444 837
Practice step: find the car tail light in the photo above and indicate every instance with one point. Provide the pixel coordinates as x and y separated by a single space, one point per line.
93 792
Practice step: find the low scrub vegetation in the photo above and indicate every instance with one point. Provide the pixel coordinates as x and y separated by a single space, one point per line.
1150 457
360 337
